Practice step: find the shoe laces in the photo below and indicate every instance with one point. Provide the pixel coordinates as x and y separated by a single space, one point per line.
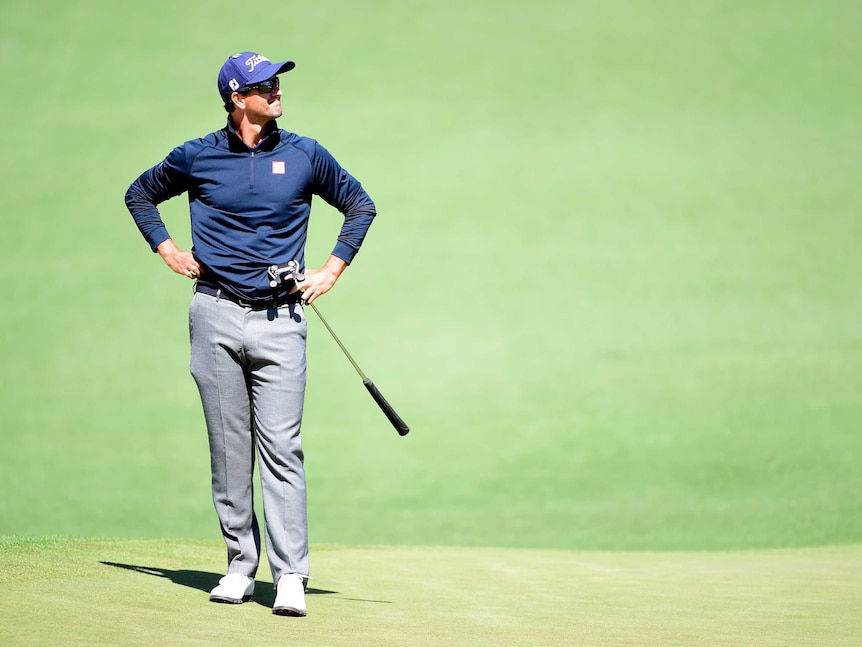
230 577
292 577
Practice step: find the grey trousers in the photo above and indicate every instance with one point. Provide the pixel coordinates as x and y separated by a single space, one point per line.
250 369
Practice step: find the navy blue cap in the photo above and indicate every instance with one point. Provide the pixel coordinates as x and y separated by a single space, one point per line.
247 68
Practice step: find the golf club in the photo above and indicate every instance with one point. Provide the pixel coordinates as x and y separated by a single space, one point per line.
278 275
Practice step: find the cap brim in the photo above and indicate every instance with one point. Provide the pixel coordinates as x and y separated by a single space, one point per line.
264 72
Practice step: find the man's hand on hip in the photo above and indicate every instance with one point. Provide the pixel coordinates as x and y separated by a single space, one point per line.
179 261
319 282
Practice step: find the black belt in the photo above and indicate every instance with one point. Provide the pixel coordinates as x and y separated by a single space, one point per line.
277 299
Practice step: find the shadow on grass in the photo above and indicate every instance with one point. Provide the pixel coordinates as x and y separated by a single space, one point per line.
203 581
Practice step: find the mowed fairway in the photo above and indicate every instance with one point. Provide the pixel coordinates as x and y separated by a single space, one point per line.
154 593
614 287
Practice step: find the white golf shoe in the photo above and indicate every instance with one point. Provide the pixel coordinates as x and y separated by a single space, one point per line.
233 588
290 596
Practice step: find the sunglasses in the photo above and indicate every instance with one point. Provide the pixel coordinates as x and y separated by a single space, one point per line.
263 87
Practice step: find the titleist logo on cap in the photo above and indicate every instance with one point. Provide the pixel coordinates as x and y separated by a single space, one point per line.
253 62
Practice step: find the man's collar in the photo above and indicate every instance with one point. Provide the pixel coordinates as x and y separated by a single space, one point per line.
268 138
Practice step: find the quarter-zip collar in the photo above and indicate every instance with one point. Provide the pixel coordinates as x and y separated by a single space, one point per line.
268 141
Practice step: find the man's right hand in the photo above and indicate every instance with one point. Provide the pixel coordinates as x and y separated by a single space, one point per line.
179 261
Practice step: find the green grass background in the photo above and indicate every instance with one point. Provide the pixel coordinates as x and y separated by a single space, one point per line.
614 286
151 592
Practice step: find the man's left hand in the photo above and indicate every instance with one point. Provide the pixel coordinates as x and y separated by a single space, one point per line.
319 282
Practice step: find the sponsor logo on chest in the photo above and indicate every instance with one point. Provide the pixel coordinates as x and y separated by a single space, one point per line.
277 167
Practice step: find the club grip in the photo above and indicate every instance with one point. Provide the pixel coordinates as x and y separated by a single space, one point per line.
400 426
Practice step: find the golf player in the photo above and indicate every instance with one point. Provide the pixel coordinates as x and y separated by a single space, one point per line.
250 187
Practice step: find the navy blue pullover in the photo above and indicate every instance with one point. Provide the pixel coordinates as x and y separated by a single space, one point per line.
250 206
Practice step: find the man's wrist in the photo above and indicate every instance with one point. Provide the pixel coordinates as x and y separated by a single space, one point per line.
334 266
167 246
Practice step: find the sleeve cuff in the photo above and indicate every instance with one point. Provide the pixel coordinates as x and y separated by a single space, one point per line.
157 237
344 251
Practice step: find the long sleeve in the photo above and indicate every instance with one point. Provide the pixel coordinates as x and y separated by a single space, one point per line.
163 181
345 193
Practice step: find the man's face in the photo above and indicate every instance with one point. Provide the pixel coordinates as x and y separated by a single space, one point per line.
263 102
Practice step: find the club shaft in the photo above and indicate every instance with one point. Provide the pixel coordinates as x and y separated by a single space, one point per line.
338 341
